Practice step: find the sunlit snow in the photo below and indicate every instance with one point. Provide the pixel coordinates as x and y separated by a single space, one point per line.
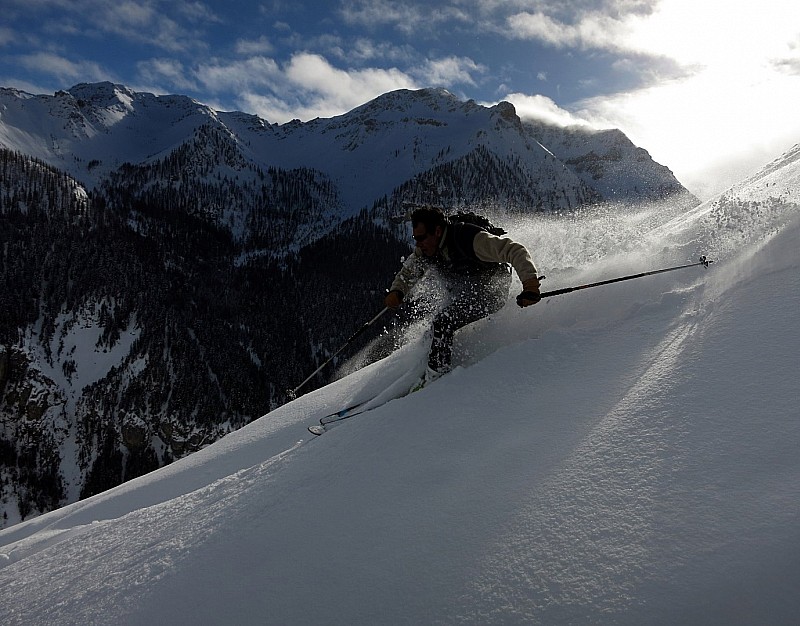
626 454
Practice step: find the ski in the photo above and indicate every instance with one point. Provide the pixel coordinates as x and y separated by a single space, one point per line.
338 416
342 414
419 385
424 381
398 390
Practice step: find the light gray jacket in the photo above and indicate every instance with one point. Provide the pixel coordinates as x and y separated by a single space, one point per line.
487 247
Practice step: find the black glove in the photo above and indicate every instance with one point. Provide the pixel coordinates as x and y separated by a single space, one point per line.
393 299
530 293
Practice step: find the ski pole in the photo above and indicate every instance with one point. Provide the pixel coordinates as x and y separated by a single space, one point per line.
703 261
358 333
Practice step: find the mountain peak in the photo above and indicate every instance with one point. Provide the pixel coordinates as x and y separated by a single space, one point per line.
415 102
104 94
506 109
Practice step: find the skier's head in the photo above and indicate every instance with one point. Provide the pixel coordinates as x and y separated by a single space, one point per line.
429 224
431 217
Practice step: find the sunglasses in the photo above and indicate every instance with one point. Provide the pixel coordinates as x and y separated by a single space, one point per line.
421 238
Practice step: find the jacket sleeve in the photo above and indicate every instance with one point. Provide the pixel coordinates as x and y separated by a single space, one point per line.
494 249
412 270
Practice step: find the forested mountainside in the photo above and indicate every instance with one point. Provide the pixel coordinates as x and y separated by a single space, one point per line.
131 335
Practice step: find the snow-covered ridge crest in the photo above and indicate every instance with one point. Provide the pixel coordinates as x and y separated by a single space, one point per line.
92 129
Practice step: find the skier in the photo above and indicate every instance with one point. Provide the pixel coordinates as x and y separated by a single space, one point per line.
474 266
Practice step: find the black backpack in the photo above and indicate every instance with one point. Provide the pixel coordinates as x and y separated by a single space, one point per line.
469 217
466 217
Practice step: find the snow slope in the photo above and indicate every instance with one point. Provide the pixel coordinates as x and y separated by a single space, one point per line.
626 454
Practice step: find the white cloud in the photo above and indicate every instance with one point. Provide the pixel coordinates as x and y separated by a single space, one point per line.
6 36
130 14
167 25
310 86
716 32
364 49
373 12
406 17
168 72
64 69
544 109
307 86
27 86
448 72
736 107
592 30
249 47
256 72
196 11
337 90
268 107
686 31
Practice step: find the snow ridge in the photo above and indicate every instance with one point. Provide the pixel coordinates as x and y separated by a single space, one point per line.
91 130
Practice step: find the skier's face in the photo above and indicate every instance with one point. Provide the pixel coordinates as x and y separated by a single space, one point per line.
427 242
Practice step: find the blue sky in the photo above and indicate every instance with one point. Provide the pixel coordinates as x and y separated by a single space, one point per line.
708 87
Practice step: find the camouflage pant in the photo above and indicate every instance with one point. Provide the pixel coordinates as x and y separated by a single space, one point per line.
471 298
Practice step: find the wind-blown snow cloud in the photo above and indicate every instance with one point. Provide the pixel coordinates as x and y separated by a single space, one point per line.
544 109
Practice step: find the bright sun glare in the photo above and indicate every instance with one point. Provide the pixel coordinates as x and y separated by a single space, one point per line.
734 55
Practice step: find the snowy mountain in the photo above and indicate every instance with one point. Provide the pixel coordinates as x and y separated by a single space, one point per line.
171 270
91 130
625 454
605 160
